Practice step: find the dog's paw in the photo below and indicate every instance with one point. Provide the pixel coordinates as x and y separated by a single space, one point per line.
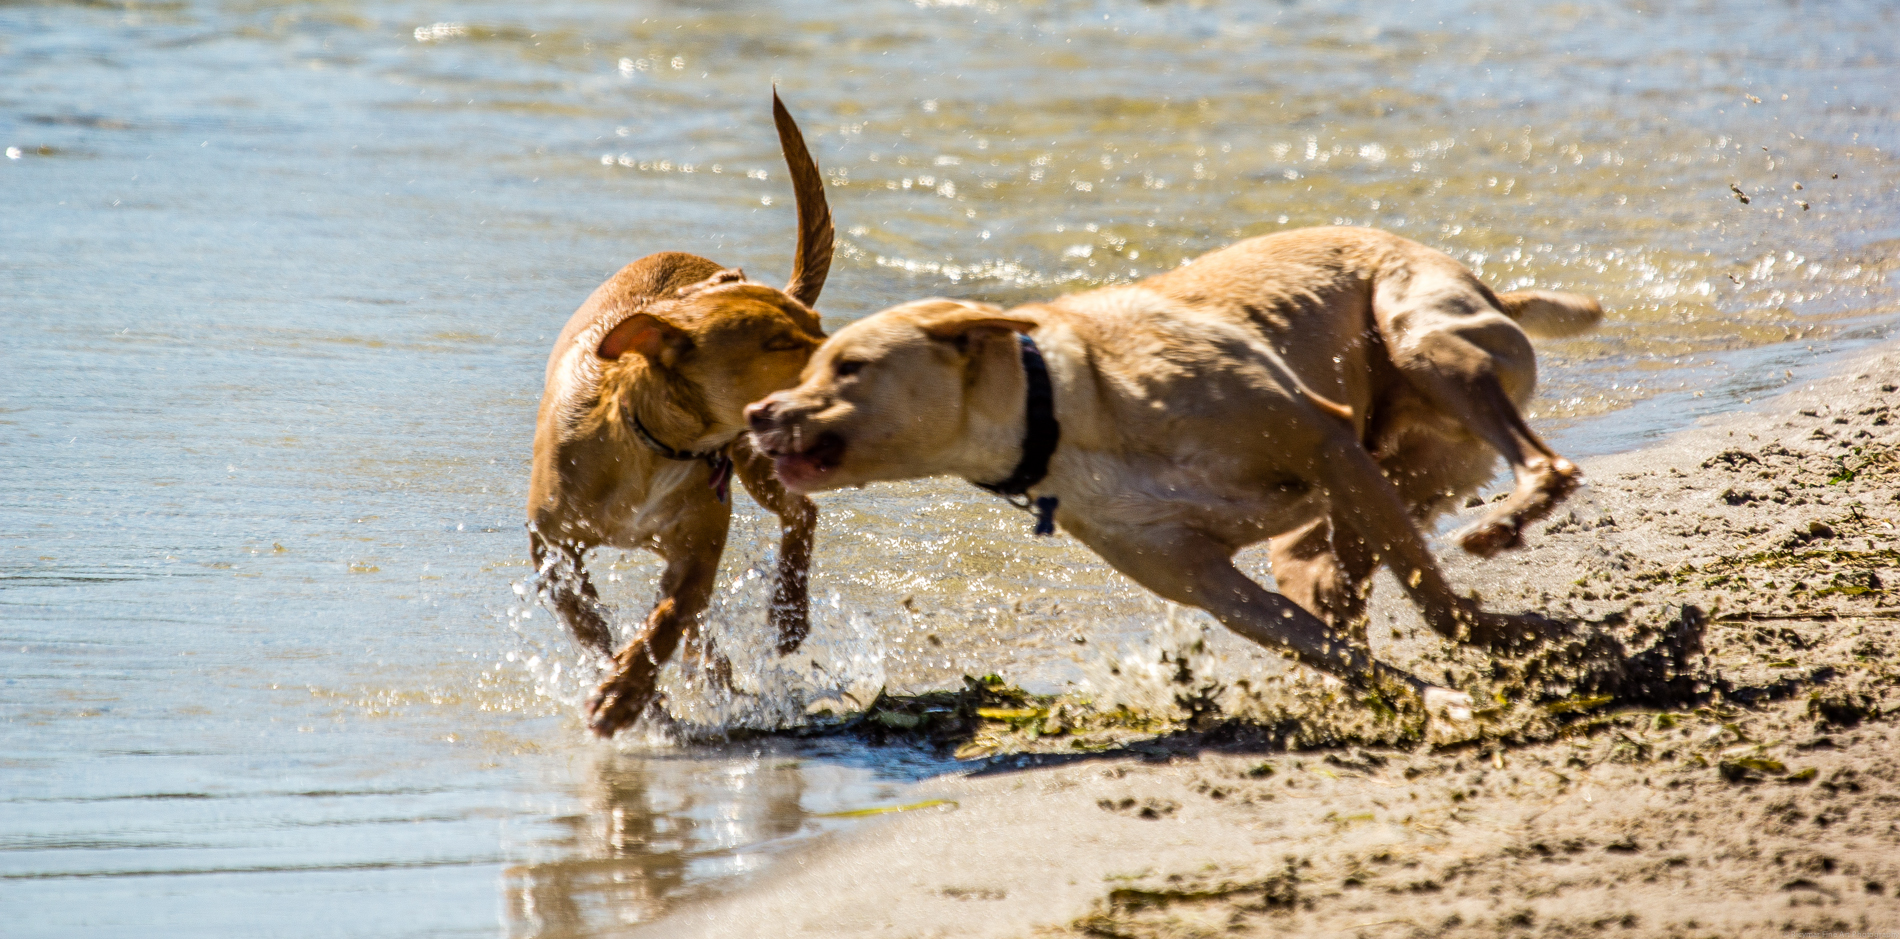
616 706
1444 702
1489 537
714 670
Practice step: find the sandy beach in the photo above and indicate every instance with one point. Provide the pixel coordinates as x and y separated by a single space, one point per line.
1763 801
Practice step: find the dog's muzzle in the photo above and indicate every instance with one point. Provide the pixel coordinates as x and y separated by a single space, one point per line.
800 459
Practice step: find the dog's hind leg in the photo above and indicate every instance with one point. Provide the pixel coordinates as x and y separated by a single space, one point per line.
1366 503
692 552
798 520
570 594
1477 367
1327 568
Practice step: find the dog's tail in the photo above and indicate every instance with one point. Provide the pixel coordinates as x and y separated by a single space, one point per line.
812 261
1547 314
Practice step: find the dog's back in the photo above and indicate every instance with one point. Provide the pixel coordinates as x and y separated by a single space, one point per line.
1314 294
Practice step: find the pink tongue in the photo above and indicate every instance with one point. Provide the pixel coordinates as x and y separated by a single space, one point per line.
793 466
801 472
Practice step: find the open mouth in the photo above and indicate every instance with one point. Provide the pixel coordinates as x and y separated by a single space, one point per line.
803 469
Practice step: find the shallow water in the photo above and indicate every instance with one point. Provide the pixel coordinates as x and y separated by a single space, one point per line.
280 279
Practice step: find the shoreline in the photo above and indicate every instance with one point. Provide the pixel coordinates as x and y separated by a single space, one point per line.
1729 388
1767 808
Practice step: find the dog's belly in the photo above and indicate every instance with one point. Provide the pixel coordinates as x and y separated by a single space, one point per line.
1239 522
1227 502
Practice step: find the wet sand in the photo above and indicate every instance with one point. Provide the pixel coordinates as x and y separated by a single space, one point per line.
1766 804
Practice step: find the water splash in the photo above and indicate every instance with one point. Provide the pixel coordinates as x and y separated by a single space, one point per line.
1162 674
841 663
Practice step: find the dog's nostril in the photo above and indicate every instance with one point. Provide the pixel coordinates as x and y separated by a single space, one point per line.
758 415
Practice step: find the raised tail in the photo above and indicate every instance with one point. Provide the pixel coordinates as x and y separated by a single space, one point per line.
1547 314
812 261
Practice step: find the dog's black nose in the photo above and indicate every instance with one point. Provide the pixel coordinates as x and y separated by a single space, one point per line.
758 415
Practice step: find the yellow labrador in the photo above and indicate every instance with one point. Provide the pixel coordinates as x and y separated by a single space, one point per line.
1327 388
639 436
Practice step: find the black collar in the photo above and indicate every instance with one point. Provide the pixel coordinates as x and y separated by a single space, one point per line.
1041 432
716 460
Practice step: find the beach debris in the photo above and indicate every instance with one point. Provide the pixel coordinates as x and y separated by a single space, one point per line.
1749 768
889 809
1575 705
1739 194
1148 892
1842 708
1150 809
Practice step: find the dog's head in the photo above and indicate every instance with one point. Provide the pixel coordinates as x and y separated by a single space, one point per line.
722 342
927 388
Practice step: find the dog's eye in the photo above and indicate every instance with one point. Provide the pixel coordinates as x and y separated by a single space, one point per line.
847 368
784 344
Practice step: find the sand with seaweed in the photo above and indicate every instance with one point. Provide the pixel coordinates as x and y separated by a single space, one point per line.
1743 780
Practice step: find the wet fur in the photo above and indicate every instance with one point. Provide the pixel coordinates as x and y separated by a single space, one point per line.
1201 411
681 344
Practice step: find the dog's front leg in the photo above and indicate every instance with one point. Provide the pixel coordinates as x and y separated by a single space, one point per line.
798 521
692 562
570 594
1191 568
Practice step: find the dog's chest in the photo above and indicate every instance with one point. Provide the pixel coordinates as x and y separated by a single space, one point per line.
647 508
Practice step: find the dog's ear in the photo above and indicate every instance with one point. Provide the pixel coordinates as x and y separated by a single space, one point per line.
962 321
643 333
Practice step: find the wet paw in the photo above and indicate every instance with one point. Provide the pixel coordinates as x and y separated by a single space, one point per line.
614 707
1490 536
712 669
1503 528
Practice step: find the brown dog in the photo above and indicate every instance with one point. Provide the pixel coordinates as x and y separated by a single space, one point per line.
638 438
1169 423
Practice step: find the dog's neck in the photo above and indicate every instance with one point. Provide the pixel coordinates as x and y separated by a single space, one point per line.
995 415
1041 431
